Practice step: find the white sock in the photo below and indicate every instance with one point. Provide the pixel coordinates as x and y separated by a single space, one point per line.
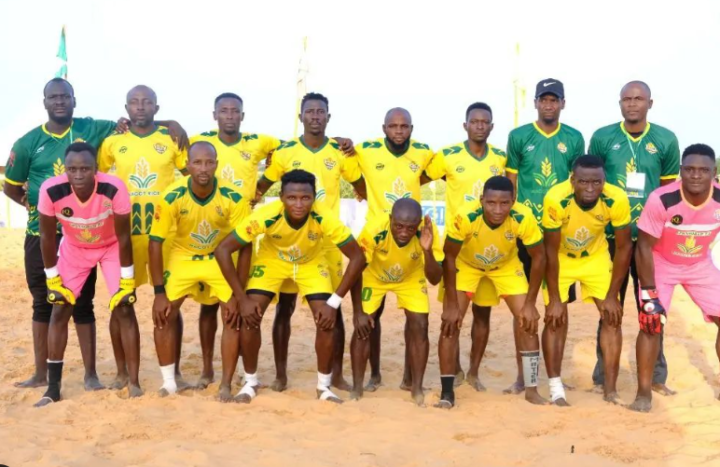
324 381
252 379
168 374
557 390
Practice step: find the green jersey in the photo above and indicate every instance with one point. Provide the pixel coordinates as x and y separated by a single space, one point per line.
541 161
637 164
40 155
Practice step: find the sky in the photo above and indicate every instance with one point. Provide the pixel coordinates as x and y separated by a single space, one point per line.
366 57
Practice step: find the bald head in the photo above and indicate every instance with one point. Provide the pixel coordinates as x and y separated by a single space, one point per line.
201 148
142 92
635 102
407 210
141 106
642 85
398 112
398 129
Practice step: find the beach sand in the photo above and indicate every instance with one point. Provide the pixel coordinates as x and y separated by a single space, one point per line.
383 429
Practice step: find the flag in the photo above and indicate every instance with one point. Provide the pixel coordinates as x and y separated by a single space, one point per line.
518 87
301 90
62 55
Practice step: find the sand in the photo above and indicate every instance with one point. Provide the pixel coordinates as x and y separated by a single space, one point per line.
383 429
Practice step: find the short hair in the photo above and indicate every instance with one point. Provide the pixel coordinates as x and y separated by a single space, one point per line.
642 84
201 143
588 161
700 150
59 80
499 183
407 205
228 95
297 176
82 146
314 96
478 106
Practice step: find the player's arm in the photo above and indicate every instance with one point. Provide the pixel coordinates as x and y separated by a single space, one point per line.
352 173
554 315
16 193
670 163
17 171
177 132
346 145
353 272
428 239
126 294
530 315
58 294
644 258
513 160
451 311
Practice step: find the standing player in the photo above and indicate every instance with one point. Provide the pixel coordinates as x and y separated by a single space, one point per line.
639 157
200 210
94 211
401 256
320 155
540 155
465 167
392 168
677 228
576 214
296 230
481 242
145 158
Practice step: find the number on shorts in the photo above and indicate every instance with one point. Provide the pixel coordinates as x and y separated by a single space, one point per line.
258 271
366 294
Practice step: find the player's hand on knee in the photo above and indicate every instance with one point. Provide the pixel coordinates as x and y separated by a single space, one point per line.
58 294
652 314
611 311
161 310
529 318
231 313
250 313
125 295
326 317
450 321
555 315
364 324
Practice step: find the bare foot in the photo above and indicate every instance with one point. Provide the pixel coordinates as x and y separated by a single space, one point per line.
641 404
224 395
598 389
341 384
534 398
568 387
203 382
92 383
614 398
561 402
34 381
162 392
516 388
419 398
43 402
333 398
663 390
134 391
375 383
356 395
119 382
182 385
459 378
474 382
279 385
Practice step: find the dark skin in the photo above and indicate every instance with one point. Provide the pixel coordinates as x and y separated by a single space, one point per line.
697 173
588 184
496 208
81 168
298 199
314 117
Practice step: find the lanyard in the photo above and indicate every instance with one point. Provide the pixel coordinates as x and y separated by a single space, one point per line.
632 150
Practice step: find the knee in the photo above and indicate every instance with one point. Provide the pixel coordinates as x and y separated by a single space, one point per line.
61 314
42 312
123 313
418 324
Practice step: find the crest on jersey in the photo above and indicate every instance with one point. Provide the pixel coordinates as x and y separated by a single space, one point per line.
329 163
414 256
689 248
476 191
143 179
562 148
87 237
546 178
495 170
228 174
160 148
323 270
677 219
11 159
312 236
157 212
509 236
490 256
205 234
398 191
58 167
650 147
292 255
67 212
393 274
414 167
245 155
581 239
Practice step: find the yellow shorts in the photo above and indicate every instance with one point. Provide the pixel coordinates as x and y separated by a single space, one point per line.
593 272
508 279
141 257
334 258
411 293
268 274
199 279
485 295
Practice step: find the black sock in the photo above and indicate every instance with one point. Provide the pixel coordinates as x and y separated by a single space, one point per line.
54 380
448 388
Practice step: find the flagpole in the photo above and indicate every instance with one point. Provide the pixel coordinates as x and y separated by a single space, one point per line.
301 88
62 55
516 86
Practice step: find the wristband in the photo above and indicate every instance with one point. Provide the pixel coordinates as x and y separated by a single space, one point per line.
127 272
648 293
51 272
159 289
334 301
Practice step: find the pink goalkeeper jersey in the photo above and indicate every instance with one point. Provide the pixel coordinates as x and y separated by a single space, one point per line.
89 224
685 231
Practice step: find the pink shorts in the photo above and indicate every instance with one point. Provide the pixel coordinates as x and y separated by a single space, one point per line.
701 281
75 263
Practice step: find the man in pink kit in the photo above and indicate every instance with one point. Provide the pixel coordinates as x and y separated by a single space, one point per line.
94 211
677 229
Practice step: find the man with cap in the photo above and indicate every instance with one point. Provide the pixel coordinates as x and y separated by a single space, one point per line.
541 155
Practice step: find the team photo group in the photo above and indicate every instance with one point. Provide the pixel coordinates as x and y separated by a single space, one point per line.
546 216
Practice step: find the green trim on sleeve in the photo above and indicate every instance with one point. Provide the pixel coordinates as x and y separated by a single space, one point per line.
454 239
267 179
155 238
533 244
548 229
621 227
240 239
346 241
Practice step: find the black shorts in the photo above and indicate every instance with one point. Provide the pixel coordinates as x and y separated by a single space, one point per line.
83 312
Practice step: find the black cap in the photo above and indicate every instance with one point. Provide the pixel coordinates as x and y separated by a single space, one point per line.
550 86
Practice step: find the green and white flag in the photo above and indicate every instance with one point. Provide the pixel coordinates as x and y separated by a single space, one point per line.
62 55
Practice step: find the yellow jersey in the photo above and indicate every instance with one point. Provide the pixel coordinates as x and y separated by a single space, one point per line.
486 247
465 173
199 225
327 163
583 230
238 162
387 261
290 244
390 177
146 163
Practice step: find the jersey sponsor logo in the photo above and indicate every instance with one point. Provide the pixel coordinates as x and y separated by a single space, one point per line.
689 248
245 155
414 167
87 237
292 255
40 149
580 240
650 147
460 169
205 235
600 217
562 148
296 164
184 212
616 147
160 148
58 167
67 212
677 219
546 178
123 150
276 236
228 174
476 191
143 179
490 256
379 166
394 274
530 148
11 159
329 163
399 191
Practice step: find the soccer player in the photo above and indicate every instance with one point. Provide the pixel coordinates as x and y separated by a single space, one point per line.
465 167
677 228
94 211
540 155
576 213
481 241
295 232
200 210
392 168
323 156
145 158
639 157
401 256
